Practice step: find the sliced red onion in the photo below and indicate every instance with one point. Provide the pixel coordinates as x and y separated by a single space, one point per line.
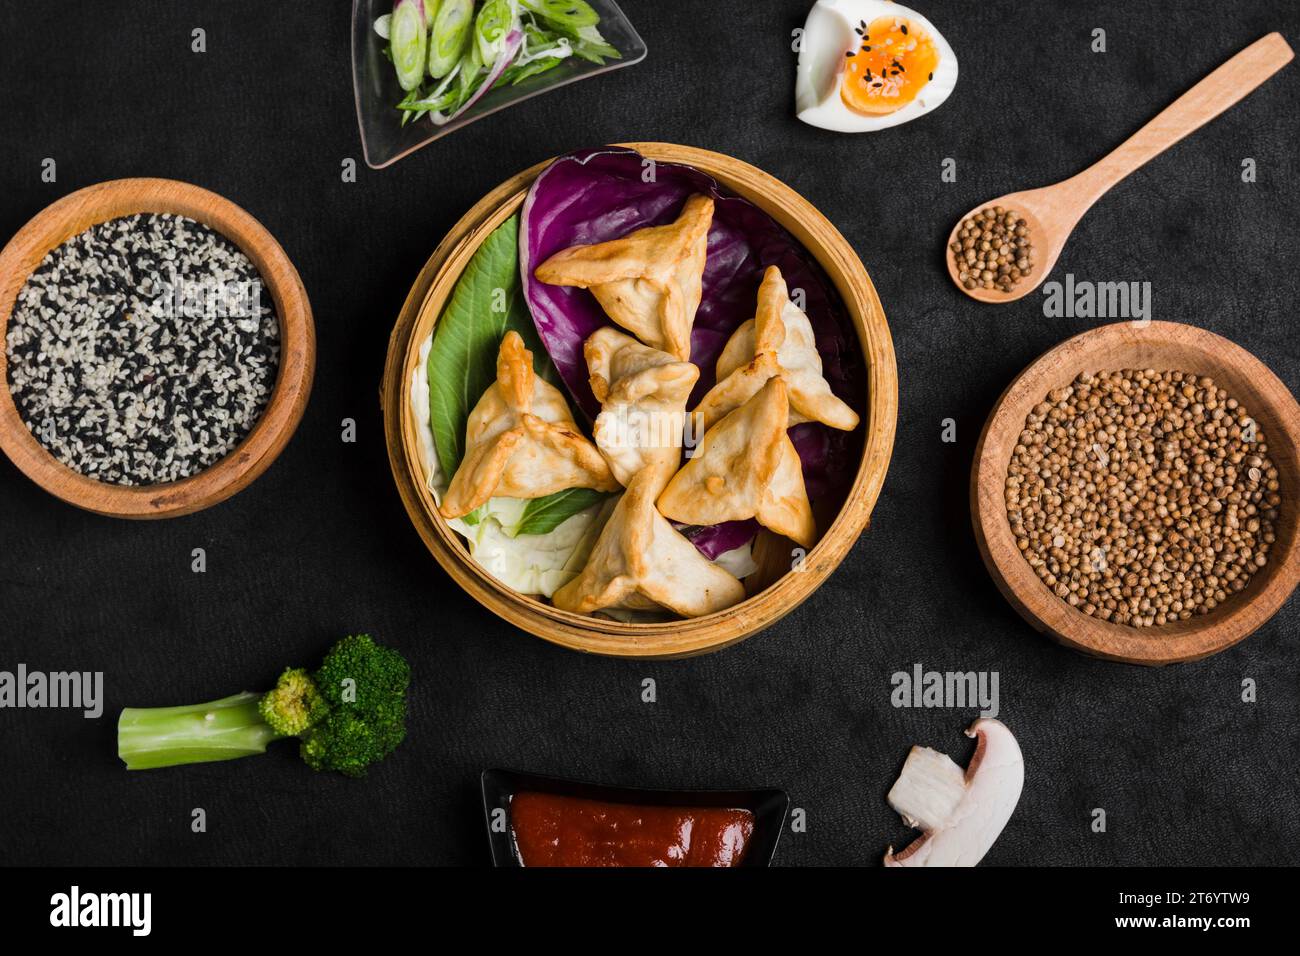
509 49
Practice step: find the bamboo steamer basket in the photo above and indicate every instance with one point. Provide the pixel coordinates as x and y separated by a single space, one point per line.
779 589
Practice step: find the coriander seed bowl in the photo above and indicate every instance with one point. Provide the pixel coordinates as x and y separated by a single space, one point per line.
1161 347
204 468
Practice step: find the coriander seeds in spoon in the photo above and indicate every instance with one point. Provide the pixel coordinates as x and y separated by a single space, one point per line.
1003 249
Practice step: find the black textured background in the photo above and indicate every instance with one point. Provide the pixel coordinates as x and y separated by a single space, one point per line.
320 545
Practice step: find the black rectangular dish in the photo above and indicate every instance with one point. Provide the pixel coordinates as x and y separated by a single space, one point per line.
769 807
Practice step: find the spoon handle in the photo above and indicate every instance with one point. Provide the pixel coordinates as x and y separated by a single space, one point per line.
1224 87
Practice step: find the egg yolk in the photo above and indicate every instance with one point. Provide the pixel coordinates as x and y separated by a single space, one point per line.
893 62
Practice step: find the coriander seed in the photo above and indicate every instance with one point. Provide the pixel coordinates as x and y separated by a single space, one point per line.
1142 497
992 250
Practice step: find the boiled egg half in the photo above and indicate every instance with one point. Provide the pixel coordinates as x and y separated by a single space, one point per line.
866 65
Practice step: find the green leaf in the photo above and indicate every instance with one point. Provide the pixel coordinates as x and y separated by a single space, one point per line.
488 300
544 515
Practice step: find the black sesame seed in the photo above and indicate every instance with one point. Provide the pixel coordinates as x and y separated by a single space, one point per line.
114 386
903 27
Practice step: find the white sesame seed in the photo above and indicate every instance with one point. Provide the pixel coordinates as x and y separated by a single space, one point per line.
116 380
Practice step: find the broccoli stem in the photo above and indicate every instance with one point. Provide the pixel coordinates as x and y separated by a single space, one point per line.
151 737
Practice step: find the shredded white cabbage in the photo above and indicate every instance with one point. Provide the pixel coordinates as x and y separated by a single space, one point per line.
739 561
528 563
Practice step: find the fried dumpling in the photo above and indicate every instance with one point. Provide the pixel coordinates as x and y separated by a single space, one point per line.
641 562
777 341
746 467
521 441
643 393
649 281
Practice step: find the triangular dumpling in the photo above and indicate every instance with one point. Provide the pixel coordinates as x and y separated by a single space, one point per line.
521 441
649 281
777 341
746 467
643 394
640 562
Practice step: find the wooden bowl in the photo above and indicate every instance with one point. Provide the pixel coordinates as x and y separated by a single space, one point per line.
1164 346
677 638
87 207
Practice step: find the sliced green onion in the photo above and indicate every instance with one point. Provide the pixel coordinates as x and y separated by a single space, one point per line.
535 35
451 35
590 45
439 98
573 14
471 71
516 75
562 49
409 40
495 19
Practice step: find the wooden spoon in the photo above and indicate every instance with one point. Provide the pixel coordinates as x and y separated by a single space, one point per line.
1050 213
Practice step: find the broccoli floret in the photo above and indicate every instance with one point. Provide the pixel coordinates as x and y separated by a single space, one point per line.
365 686
360 674
345 742
349 714
294 705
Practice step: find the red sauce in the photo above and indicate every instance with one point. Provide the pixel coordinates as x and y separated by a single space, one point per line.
551 830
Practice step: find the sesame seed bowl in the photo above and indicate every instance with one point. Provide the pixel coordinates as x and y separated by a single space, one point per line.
156 348
1134 493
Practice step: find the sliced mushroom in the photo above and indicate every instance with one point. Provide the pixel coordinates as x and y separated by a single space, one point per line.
960 813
